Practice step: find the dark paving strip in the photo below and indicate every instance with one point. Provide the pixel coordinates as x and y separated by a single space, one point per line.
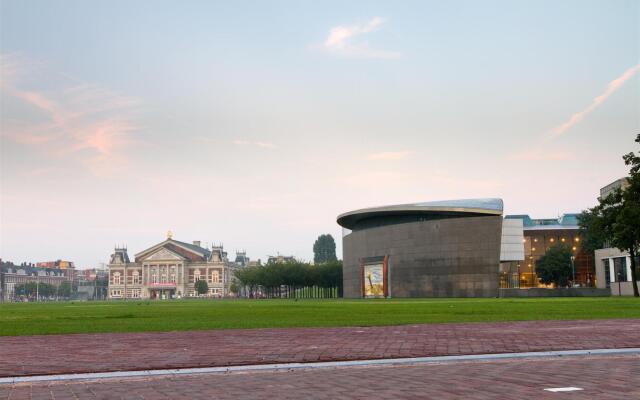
81 353
601 377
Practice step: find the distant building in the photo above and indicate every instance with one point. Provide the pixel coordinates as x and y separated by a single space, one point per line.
539 236
12 275
168 270
613 186
613 266
68 267
91 274
241 258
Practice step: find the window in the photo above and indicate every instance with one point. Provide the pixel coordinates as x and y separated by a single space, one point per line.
620 269
607 272
116 293
154 277
136 277
196 275
116 278
215 276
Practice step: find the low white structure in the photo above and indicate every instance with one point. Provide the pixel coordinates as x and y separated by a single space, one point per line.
613 270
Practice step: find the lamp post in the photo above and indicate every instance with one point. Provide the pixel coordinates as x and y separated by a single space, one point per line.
573 270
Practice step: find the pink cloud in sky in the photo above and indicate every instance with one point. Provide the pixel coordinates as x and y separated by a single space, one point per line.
596 102
81 118
340 40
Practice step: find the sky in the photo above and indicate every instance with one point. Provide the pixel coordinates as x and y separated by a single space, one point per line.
254 124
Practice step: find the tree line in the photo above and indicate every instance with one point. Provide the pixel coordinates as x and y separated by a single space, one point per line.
291 280
45 290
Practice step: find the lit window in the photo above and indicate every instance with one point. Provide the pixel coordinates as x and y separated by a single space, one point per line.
535 240
562 239
533 249
574 248
577 239
552 240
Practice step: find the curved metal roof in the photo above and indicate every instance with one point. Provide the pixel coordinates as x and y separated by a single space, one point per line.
462 206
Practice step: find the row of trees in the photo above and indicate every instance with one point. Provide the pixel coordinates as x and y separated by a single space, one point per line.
44 290
292 280
615 221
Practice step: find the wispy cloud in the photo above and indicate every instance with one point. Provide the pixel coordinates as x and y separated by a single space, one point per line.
85 119
541 155
341 41
390 155
264 145
596 102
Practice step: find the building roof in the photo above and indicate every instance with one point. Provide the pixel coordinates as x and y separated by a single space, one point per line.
461 207
190 251
565 221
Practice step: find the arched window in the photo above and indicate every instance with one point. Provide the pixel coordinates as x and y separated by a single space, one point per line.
136 277
196 275
215 276
116 278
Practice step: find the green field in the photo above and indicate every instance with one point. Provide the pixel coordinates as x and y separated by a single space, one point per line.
140 316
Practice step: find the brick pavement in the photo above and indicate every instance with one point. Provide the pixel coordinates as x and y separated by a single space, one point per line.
54 354
601 377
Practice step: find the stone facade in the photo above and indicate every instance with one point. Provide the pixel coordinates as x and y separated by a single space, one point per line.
448 257
169 270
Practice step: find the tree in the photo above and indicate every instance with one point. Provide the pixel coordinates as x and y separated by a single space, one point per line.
616 219
555 266
201 286
324 249
233 288
66 289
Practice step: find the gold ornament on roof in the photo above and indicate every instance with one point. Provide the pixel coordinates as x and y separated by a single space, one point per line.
169 234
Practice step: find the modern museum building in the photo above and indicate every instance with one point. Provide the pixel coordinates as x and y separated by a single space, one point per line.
434 249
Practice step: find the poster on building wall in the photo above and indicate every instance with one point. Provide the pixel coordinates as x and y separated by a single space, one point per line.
373 280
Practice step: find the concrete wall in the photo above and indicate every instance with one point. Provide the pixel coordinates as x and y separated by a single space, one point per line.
454 257
556 292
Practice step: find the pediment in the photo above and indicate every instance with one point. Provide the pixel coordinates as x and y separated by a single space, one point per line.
163 254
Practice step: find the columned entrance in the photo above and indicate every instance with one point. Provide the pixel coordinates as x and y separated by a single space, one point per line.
161 294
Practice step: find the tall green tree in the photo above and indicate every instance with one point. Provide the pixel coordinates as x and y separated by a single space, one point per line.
324 249
66 289
201 286
616 219
555 266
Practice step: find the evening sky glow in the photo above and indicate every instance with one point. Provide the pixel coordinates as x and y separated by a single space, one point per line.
256 124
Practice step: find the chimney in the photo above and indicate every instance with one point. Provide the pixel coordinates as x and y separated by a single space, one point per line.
196 243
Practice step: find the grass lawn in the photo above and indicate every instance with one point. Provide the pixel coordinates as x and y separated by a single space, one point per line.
141 316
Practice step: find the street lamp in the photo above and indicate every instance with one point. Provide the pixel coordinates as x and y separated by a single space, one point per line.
573 270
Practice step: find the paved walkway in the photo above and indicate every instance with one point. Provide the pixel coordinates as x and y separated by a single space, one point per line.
56 354
602 377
